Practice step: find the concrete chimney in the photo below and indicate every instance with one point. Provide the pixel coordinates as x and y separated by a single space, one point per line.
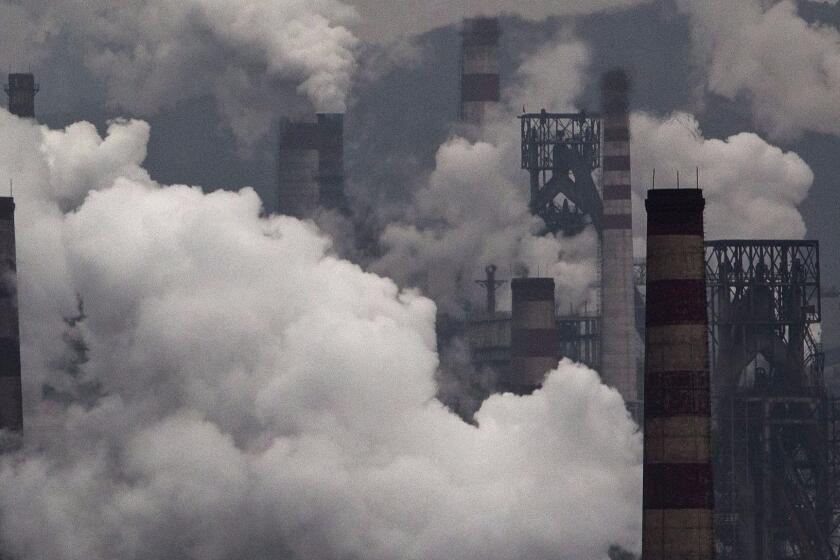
479 68
534 338
11 409
619 339
678 492
21 91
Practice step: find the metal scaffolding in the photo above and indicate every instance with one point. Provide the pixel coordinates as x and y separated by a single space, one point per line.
560 151
776 432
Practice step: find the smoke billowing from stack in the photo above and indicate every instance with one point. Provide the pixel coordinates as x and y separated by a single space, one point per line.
21 91
619 336
310 161
11 409
678 496
479 68
534 340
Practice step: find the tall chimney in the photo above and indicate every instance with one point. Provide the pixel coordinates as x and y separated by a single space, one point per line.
479 68
619 339
297 168
11 408
534 346
678 497
331 160
21 91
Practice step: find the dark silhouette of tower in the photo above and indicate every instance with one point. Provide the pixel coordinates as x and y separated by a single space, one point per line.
11 412
21 90
534 338
678 490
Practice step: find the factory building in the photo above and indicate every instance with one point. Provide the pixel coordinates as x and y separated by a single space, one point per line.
480 85
310 165
678 492
21 91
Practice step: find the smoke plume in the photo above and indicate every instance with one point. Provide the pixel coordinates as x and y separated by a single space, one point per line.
752 188
787 69
259 59
257 397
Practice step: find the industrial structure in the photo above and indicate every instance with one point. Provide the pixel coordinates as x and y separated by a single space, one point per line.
21 91
480 86
11 407
678 492
777 445
534 343
563 154
310 164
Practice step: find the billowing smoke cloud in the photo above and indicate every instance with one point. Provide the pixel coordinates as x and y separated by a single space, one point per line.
257 397
473 211
259 59
752 188
788 69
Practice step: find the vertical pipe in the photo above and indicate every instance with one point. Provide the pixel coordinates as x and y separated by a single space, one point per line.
331 161
678 497
620 340
21 91
11 407
534 344
298 168
479 68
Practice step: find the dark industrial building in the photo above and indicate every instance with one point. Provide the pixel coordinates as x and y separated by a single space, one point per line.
310 163
21 91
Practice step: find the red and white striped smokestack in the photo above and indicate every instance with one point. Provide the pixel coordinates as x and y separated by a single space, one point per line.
678 492
619 339
479 68
11 407
534 339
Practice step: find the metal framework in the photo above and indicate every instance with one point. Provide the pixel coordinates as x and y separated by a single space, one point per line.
776 432
560 151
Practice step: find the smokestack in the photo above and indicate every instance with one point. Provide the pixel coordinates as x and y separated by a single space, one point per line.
21 91
479 68
297 163
331 160
11 408
534 339
678 498
619 338
310 165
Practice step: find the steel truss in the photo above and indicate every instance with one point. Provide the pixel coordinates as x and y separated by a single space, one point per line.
776 438
560 151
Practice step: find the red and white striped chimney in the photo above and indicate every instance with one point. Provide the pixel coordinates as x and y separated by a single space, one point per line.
479 68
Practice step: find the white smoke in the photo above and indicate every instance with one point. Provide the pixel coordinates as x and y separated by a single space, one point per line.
752 188
787 69
258 397
258 58
473 211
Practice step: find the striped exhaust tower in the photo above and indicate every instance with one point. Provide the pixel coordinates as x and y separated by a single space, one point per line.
678 496
11 407
619 339
534 339
479 68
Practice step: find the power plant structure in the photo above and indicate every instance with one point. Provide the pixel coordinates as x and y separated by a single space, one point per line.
562 153
678 496
777 436
310 164
480 84
21 91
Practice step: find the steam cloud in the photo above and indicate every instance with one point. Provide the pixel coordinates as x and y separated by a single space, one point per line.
752 188
153 54
789 70
258 397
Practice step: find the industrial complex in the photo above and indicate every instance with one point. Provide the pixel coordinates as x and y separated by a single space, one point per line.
713 344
